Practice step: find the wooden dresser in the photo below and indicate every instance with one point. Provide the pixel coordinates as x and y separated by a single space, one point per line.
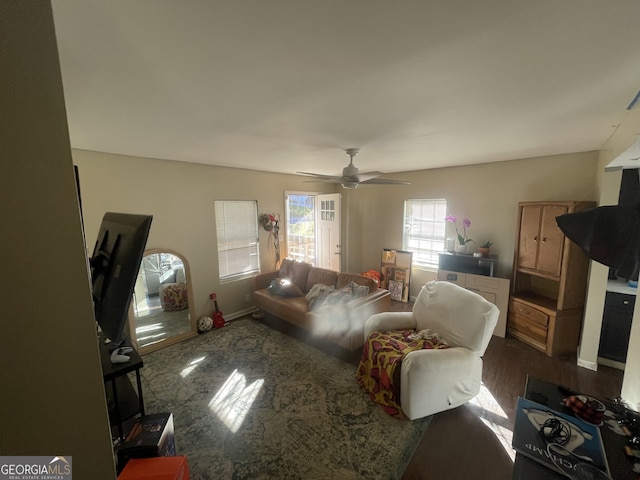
549 280
477 274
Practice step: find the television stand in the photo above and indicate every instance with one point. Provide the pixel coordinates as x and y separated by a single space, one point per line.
122 399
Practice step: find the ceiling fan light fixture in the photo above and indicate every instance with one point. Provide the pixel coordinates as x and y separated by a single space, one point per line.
350 170
350 185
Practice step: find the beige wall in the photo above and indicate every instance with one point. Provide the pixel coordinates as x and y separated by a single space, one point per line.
181 196
52 400
487 194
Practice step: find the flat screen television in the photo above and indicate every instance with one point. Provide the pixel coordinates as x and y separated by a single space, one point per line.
115 262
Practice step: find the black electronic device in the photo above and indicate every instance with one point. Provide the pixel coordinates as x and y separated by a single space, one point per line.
115 262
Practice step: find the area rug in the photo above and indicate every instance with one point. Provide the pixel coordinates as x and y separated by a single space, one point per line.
250 402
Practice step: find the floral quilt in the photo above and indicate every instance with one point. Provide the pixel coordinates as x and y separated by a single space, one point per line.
378 373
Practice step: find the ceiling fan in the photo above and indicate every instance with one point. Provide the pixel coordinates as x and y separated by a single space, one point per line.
351 177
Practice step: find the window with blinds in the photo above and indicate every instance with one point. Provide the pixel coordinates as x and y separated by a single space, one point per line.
237 233
424 230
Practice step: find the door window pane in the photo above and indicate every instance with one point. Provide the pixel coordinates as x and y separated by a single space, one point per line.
301 234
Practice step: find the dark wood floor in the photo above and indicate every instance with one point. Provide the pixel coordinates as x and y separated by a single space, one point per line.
473 441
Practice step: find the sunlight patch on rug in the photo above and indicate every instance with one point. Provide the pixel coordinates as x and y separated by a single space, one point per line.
234 399
189 368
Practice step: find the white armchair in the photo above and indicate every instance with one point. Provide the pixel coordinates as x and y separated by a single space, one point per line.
434 380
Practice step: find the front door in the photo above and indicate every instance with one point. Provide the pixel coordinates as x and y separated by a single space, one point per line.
328 244
313 229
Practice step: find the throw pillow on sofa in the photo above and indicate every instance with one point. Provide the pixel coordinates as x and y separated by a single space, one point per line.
358 290
321 295
342 295
285 288
317 294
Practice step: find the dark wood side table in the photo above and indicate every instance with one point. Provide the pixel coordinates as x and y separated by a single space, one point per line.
551 395
122 400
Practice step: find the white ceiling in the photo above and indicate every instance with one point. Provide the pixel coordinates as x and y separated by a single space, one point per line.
287 85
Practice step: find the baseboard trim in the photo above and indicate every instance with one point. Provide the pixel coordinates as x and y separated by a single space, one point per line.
611 363
241 313
590 365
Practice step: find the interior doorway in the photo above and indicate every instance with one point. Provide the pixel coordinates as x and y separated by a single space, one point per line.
312 223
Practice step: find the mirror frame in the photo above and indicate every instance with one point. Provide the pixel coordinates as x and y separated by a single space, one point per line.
192 320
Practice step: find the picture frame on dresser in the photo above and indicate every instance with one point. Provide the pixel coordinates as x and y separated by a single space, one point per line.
395 266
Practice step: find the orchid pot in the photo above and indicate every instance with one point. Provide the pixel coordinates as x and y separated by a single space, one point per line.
461 248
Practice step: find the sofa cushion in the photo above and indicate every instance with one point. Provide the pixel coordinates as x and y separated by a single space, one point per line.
286 268
321 275
295 271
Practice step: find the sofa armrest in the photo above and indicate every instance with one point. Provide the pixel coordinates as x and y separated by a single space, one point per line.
262 280
389 321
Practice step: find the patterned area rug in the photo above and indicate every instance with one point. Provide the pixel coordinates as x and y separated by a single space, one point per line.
250 402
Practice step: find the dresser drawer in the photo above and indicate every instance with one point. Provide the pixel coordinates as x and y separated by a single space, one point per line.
529 313
452 277
480 282
524 329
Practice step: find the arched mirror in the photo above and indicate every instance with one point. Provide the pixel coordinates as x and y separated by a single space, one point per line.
160 313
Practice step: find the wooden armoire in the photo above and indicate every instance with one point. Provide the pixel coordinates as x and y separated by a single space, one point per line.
549 280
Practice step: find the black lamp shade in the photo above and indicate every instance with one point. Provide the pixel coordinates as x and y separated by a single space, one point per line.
609 235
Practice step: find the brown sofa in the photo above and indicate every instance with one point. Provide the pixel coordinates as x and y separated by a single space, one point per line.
341 322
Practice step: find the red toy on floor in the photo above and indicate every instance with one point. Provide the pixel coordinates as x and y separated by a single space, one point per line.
218 319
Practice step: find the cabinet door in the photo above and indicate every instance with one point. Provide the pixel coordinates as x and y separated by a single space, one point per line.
529 230
550 241
614 338
616 326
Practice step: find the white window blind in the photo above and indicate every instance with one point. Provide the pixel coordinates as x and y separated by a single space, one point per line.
424 230
237 232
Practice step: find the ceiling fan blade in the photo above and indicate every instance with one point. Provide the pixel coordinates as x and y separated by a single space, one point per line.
384 181
325 180
363 177
321 177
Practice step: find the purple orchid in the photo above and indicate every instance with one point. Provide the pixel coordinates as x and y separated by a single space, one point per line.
466 223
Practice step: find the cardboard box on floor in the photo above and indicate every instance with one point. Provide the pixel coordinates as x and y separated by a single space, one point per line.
156 468
151 436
